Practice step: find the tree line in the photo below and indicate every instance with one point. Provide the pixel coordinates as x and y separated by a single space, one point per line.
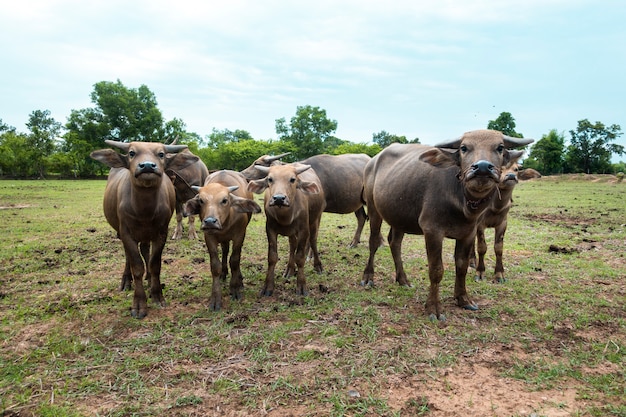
121 113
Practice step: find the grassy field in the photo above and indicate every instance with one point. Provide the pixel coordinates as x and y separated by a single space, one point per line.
551 341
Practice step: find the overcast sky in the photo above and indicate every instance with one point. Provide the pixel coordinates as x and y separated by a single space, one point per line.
427 69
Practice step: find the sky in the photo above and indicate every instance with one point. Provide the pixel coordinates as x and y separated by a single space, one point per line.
422 69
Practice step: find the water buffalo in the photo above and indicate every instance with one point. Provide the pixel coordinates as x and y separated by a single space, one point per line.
225 207
342 180
184 179
438 192
495 216
139 201
294 202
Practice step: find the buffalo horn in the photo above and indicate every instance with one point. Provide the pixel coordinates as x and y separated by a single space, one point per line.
269 159
174 148
302 168
511 142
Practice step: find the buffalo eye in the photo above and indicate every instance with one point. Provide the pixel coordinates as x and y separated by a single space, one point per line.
500 148
161 154
225 201
132 154
200 201
292 180
270 180
463 148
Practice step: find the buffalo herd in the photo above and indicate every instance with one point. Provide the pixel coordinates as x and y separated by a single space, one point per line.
455 190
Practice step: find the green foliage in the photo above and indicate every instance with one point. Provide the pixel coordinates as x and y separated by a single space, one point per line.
590 148
308 133
384 139
351 147
41 141
130 114
546 155
505 123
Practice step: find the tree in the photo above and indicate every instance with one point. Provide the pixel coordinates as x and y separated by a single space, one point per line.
42 138
505 123
308 131
384 139
131 114
546 156
590 148
14 154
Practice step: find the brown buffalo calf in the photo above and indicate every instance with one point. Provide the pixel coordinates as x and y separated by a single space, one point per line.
225 207
495 216
139 201
183 179
294 202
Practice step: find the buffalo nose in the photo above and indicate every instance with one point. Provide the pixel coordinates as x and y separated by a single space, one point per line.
279 199
509 177
483 167
147 165
210 221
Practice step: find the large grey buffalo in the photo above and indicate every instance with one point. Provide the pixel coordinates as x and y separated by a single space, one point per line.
294 202
495 216
193 175
139 200
225 207
342 180
438 192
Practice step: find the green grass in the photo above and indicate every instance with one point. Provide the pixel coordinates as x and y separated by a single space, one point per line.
69 347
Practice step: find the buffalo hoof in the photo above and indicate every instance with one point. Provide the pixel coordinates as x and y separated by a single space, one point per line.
236 296
302 292
138 315
215 304
470 307
434 318
368 284
478 278
500 280
266 293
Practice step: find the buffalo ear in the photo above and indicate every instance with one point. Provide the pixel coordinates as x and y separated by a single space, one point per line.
110 158
244 205
511 156
440 158
192 207
309 187
179 161
257 186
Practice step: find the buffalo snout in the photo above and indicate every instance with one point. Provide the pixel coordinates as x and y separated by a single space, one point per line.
483 168
211 222
279 200
147 167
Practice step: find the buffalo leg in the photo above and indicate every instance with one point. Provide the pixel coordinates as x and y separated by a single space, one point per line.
192 234
178 231
127 277
481 245
300 258
225 250
272 258
291 263
498 247
361 218
461 261
395 245
215 302
154 268
434 244
374 243
236 278
317 263
139 308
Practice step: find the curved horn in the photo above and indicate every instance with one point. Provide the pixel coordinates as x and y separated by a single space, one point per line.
269 159
174 148
262 168
175 140
120 145
302 168
511 142
233 188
